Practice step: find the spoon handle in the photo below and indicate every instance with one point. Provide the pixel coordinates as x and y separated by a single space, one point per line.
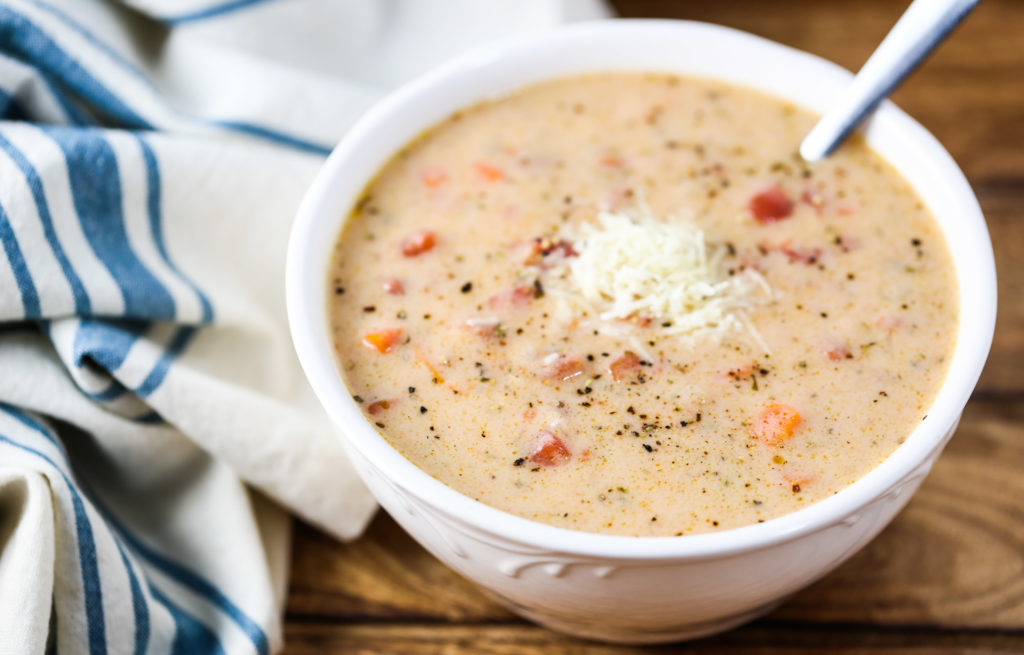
923 25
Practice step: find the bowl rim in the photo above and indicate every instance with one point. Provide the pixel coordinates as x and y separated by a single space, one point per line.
319 218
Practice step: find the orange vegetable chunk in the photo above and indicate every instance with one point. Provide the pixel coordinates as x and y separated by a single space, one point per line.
550 450
433 179
418 243
383 341
488 172
624 366
776 424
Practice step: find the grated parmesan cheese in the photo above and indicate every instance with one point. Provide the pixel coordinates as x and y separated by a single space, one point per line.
638 266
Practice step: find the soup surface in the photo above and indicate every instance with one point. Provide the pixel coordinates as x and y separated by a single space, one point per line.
468 324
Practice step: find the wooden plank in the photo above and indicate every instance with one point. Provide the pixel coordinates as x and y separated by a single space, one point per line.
954 558
383 575
1003 204
756 639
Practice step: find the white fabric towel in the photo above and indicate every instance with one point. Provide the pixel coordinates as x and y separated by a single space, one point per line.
153 418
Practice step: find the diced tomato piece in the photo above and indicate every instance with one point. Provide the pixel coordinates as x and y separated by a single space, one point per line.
776 424
542 247
743 372
813 199
549 450
433 178
383 341
642 321
889 322
803 255
485 327
418 243
488 172
771 205
378 406
624 366
612 161
516 296
750 260
393 286
838 352
560 367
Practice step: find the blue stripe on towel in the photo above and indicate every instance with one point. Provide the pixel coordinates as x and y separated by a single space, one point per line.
105 342
200 586
55 62
275 136
211 11
190 636
188 579
90 575
22 39
89 562
153 203
113 391
96 189
27 288
35 185
71 111
26 419
93 39
193 636
139 606
171 351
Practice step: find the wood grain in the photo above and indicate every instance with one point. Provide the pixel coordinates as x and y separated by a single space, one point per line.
946 577
757 639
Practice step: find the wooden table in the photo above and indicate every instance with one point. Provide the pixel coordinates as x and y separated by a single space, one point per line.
946 577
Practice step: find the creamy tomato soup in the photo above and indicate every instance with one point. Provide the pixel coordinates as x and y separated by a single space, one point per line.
622 303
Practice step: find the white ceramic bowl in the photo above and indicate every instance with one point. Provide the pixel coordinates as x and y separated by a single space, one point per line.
626 588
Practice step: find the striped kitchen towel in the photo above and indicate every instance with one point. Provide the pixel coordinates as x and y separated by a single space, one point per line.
153 418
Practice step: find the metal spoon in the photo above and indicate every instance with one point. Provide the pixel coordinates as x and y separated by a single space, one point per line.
922 26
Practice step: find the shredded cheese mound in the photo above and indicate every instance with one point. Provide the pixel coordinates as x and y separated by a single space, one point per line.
636 266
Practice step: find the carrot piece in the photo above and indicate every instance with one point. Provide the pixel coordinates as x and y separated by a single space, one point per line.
378 406
418 243
393 286
433 179
771 205
837 352
488 172
797 481
549 450
775 424
422 357
383 341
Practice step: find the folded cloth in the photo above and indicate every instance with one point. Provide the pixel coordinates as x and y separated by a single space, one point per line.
153 417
